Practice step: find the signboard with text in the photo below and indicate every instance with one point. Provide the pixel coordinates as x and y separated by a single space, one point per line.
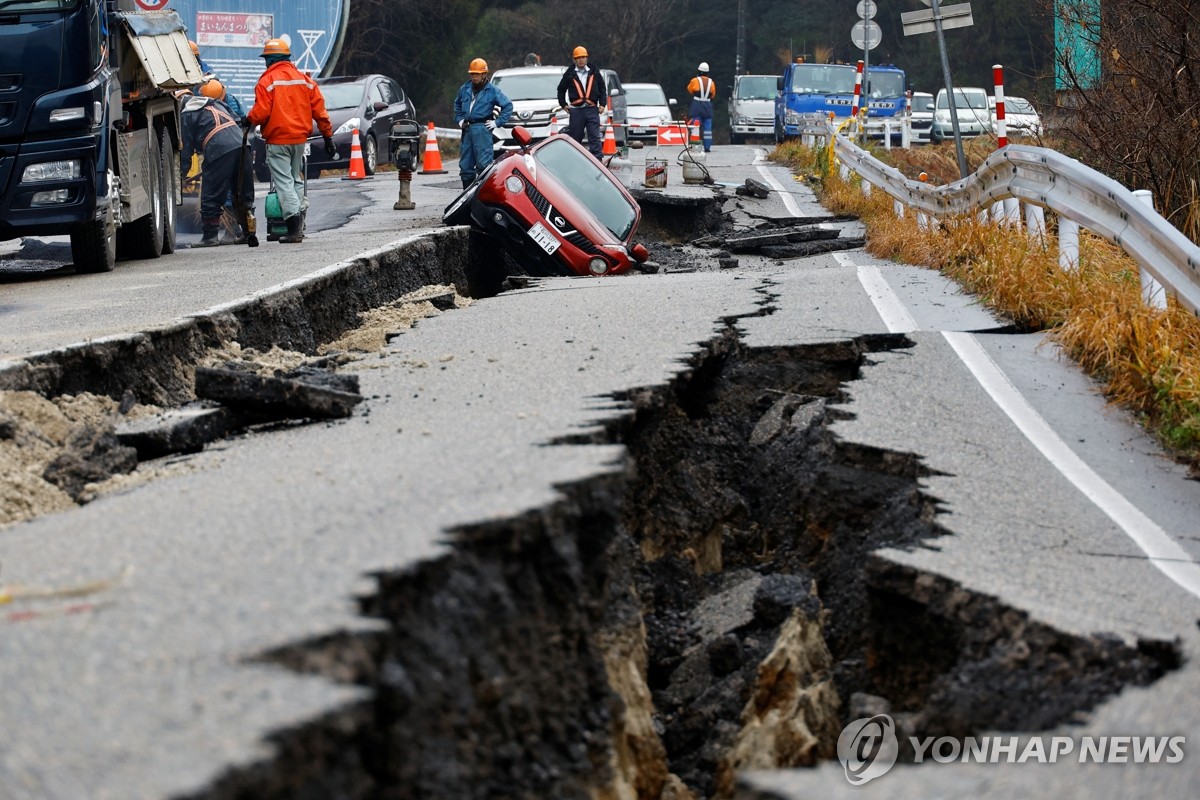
231 33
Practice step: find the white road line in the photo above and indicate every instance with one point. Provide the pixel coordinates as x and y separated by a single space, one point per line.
784 194
1163 552
893 313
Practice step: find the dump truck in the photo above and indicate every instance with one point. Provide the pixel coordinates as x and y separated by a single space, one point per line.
89 125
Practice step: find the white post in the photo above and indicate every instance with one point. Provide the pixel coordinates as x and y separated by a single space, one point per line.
906 133
1012 211
1068 243
866 187
922 221
996 210
1035 221
844 171
898 207
1153 293
887 134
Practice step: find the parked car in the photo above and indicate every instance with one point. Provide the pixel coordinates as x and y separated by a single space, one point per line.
554 208
1020 117
367 102
648 107
922 116
534 95
752 107
971 107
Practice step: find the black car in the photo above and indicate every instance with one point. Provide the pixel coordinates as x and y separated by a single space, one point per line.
367 102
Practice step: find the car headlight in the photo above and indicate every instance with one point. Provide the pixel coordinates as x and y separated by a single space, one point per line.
348 126
942 116
742 119
514 184
597 266
51 171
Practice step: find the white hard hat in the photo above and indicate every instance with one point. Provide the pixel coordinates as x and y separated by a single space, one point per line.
703 66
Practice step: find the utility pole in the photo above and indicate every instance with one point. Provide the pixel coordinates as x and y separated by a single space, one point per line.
740 67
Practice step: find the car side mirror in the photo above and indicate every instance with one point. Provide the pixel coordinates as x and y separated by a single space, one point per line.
522 136
640 253
379 106
779 84
672 102
614 92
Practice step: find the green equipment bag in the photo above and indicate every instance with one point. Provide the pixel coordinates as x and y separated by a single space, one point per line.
276 226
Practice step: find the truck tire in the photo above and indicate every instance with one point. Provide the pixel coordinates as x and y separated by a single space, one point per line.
143 237
168 170
94 245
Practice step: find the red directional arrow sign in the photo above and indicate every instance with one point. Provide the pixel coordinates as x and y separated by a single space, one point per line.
671 134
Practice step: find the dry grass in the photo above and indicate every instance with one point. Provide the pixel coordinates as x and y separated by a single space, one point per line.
1148 359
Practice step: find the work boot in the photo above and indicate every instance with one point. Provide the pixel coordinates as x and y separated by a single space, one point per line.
295 232
209 239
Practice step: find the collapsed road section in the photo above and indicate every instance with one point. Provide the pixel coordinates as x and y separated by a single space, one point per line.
711 606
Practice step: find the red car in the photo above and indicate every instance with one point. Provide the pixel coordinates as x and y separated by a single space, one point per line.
554 208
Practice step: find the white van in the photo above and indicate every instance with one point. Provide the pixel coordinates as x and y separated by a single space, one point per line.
974 116
534 95
752 107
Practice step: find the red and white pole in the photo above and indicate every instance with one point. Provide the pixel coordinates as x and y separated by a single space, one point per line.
857 90
1001 131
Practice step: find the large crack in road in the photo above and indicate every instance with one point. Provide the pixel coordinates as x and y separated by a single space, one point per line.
715 606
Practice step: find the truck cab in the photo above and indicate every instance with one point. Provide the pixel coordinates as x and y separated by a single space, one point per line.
751 107
809 92
89 133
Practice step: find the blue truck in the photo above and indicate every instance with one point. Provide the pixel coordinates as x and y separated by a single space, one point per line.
89 125
809 92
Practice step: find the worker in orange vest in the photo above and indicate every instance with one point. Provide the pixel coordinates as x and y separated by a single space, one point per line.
702 89
583 93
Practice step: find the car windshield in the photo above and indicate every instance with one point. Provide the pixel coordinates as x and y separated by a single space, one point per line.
884 84
645 96
542 86
13 6
581 175
758 87
1017 105
964 99
823 79
342 95
922 103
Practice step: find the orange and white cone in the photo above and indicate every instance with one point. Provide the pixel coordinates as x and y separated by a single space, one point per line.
431 164
554 125
358 169
609 147
694 133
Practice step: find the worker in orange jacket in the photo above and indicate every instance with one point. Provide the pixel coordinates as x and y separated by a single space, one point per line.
286 103
702 89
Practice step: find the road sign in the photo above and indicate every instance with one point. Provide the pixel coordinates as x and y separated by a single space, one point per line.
955 16
866 9
672 134
866 34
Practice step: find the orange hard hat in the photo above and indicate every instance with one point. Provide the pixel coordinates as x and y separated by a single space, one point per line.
213 88
275 47
478 66
195 48
579 52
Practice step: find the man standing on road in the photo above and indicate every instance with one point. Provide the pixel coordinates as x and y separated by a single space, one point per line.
479 108
286 103
211 130
583 93
702 90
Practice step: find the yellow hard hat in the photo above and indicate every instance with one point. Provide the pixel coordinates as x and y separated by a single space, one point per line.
213 88
195 48
275 47
579 52
478 67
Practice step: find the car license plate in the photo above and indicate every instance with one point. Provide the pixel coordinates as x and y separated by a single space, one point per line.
544 238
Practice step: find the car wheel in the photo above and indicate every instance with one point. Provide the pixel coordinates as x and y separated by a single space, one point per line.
312 173
370 154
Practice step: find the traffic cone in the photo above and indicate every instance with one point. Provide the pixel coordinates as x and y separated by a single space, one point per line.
609 148
432 163
694 133
358 169
554 125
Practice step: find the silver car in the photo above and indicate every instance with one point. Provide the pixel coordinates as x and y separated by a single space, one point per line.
971 106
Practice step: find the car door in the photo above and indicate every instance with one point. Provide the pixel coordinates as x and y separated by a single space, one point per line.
619 104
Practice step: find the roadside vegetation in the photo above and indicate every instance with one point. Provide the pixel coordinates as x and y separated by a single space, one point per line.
1147 359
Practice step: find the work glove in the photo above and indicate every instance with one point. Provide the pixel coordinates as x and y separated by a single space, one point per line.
490 124
330 148
464 124
245 123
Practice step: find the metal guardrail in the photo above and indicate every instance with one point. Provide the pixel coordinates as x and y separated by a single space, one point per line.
1048 179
